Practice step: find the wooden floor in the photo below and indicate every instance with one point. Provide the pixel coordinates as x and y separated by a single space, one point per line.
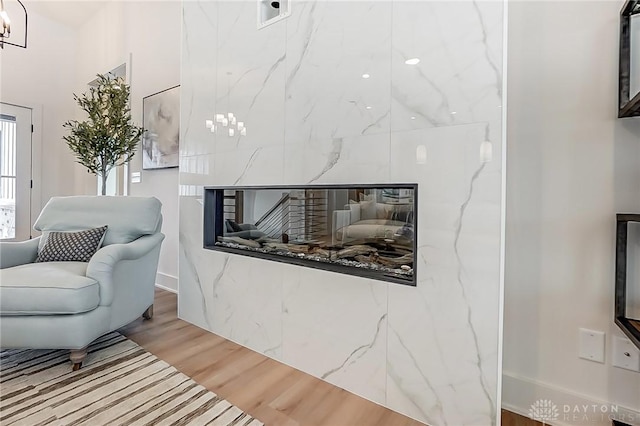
513 419
268 390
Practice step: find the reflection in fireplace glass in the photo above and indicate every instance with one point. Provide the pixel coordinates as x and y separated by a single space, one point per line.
368 228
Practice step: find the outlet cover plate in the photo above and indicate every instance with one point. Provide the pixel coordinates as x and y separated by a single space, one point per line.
591 345
625 354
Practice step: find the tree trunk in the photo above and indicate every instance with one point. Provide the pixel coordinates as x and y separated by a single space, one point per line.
105 174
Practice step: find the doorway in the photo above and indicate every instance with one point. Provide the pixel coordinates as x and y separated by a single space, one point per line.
15 172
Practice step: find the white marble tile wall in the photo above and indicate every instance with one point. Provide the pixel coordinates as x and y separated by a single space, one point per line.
330 108
430 351
336 330
198 80
447 371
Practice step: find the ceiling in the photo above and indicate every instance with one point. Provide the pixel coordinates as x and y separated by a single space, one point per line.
70 13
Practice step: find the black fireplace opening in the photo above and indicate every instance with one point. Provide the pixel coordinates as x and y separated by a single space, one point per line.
362 230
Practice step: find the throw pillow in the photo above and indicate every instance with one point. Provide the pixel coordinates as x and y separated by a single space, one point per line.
368 206
235 227
72 246
354 209
368 210
382 211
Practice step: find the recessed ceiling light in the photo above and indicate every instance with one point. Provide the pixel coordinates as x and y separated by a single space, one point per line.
412 61
365 76
453 112
413 118
368 107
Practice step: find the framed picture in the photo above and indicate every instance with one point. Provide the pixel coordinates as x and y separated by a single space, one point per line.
161 122
629 82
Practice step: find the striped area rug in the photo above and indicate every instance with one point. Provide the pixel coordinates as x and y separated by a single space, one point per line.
119 384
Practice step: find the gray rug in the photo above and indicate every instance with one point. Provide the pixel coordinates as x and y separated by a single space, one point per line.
119 384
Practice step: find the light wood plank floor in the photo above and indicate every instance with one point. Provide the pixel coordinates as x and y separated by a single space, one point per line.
267 389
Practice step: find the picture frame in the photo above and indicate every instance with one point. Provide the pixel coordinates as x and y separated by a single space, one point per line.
161 123
629 103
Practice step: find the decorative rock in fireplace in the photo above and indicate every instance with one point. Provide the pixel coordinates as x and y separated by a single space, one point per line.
363 230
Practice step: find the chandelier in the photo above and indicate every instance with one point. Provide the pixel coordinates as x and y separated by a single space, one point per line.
6 26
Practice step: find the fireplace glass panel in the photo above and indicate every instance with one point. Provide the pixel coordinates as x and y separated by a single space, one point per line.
361 230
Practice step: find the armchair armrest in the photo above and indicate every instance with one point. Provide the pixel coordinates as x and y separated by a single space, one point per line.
102 264
18 253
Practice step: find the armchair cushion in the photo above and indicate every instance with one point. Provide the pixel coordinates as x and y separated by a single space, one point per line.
71 246
128 217
47 288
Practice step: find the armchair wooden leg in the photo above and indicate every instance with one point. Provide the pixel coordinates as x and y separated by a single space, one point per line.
76 357
148 314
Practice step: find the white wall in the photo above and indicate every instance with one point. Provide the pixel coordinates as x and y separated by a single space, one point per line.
149 34
42 77
571 166
154 40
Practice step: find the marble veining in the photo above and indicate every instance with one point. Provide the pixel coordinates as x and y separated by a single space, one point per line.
481 370
458 79
198 282
327 56
335 330
431 373
278 62
433 414
334 157
273 351
193 303
309 30
487 49
327 97
218 277
358 352
248 165
376 123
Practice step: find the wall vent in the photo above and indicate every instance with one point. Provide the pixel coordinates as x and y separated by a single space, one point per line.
272 11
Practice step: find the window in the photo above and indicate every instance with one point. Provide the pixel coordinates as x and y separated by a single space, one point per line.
7 176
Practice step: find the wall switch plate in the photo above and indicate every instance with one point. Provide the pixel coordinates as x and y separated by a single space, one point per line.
591 345
135 177
625 354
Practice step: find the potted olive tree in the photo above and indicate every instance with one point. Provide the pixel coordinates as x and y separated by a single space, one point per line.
107 138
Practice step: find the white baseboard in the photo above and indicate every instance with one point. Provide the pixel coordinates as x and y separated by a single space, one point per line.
167 282
520 393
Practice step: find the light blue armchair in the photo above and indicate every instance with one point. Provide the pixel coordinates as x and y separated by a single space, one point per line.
67 305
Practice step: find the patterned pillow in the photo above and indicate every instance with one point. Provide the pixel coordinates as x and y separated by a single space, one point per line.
72 246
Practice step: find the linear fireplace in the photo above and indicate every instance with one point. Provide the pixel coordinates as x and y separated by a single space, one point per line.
363 230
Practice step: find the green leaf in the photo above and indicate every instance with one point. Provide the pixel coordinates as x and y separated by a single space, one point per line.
107 138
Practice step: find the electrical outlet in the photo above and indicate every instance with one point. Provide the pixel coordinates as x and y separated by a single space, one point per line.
625 354
591 345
